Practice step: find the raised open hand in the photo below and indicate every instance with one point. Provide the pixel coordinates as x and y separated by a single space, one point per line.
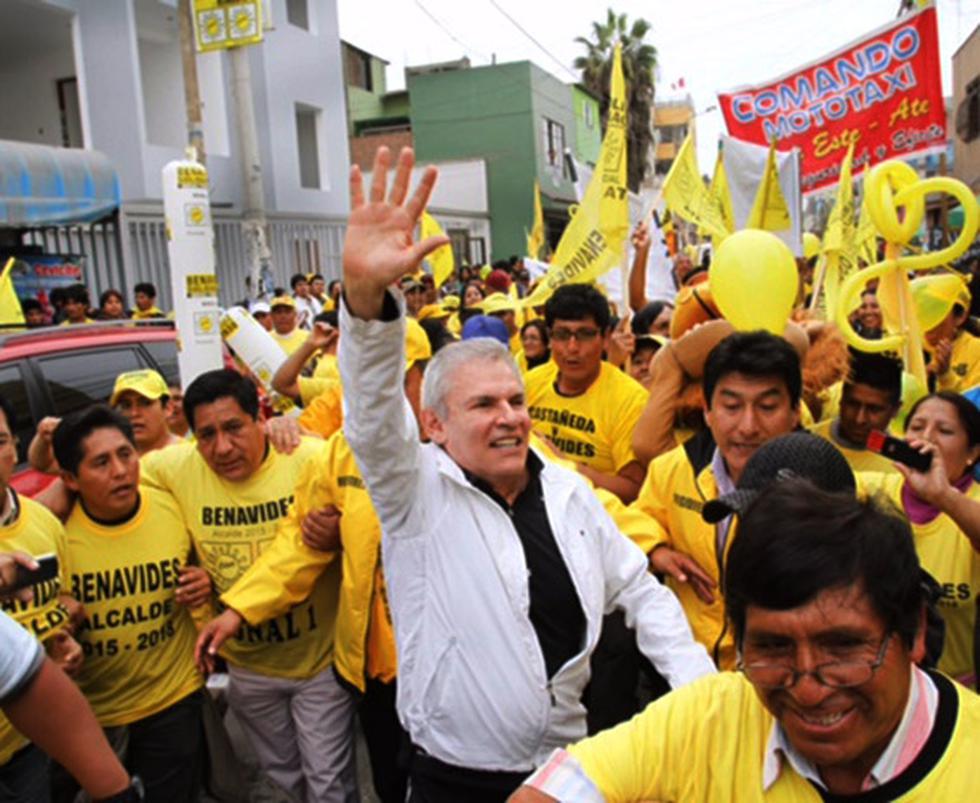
379 248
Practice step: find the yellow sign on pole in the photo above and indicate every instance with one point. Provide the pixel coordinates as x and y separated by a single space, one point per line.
220 24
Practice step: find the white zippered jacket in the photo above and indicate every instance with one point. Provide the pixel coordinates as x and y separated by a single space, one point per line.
472 689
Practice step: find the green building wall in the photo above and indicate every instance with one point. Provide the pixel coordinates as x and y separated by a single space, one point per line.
496 113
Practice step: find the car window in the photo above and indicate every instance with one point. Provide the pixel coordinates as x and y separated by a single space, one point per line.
164 354
14 390
81 378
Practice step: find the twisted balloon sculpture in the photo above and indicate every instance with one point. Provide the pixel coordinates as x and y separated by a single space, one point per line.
896 199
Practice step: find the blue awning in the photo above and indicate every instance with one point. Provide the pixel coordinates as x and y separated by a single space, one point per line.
41 185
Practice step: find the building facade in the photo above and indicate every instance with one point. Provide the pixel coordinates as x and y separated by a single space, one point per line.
108 76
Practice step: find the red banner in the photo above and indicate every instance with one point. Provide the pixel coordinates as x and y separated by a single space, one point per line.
883 92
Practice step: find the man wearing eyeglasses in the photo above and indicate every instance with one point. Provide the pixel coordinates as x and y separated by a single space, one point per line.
826 599
582 404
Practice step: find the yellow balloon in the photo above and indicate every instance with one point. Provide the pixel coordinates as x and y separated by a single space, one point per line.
811 245
754 280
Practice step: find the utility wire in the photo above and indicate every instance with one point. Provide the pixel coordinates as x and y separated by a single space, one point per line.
541 47
449 33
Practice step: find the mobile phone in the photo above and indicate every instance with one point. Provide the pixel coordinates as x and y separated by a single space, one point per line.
47 569
899 451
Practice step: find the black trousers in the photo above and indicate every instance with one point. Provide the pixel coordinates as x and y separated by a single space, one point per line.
24 779
385 739
622 680
165 749
433 781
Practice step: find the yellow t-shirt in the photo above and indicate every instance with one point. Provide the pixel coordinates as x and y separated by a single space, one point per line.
152 312
324 414
292 341
596 427
36 532
231 524
964 365
707 740
138 642
947 554
858 459
326 368
365 640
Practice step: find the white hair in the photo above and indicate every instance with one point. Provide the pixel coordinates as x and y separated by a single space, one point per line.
441 370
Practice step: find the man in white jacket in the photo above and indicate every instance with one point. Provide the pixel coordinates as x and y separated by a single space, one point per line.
499 565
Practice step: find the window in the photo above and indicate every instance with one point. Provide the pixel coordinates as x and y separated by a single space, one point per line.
298 14
478 251
459 239
968 113
164 354
307 128
554 141
357 69
14 390
86 377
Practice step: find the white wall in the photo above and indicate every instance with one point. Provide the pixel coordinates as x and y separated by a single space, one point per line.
28 95
299 66
162 83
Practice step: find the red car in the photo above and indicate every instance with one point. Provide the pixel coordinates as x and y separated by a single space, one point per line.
58 369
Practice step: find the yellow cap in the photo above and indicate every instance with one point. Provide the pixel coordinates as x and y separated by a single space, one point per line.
283 301
417 346
485 271
811 245
450 303
497 302
935 296
148 384
432 311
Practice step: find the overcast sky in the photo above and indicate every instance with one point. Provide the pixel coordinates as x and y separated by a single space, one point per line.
713 44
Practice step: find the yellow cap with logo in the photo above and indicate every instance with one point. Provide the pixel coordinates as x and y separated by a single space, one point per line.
283 301
936 295
148 384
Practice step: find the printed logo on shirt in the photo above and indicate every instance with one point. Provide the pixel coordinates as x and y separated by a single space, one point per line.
952 594
688 503
350 481
243 515
563 418
32 614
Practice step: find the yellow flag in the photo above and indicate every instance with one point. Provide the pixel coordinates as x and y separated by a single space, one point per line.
688 198
441 259
769 210
866 237
10 309
719 191
535 240
594 238
839 237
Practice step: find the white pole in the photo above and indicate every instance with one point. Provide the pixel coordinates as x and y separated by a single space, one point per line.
253 224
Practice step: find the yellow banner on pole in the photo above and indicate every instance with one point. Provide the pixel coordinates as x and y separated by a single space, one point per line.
719 191
11 312
441 260
688 198
594 238
769 210
838 240
535 240
220 24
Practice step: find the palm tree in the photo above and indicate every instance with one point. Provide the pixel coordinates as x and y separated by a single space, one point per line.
639 62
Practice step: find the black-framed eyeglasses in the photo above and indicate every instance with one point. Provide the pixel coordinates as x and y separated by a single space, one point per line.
583 335
834 674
